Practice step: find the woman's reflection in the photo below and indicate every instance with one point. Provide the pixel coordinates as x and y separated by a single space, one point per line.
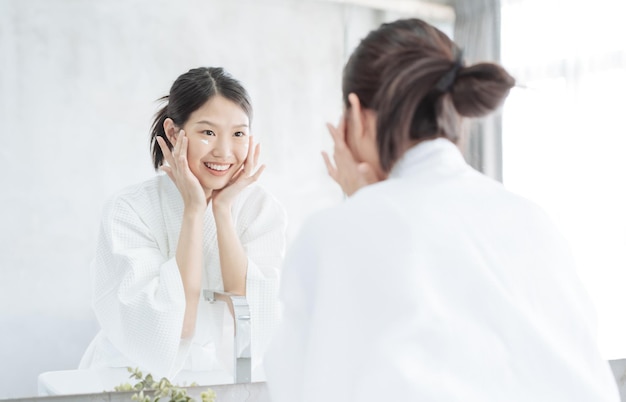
203 224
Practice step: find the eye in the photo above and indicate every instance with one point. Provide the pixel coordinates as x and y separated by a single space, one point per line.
239 134
208 132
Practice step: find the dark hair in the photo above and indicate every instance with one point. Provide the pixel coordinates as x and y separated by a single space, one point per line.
413 76
188 93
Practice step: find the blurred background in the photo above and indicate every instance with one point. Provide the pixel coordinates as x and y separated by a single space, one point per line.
79 80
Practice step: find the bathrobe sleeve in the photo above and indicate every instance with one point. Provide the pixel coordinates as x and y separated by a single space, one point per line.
262 223
138 293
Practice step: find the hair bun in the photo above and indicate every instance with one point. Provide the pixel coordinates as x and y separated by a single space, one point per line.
447 80
480 89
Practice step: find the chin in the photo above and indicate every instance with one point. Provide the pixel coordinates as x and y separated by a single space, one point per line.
208 187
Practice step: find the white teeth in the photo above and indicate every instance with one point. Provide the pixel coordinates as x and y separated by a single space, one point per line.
217 167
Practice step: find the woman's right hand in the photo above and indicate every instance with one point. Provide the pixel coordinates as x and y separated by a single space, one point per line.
177 168
350 174
189 249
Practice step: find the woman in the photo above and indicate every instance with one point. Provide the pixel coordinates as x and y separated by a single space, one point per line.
431 282
204 224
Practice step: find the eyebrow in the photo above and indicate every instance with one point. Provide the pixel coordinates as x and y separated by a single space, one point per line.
217 125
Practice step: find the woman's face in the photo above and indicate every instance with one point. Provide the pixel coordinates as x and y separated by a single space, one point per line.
218 142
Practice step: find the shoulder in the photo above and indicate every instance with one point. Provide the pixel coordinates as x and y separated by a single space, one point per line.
365 215
137 191
374 202
461 190
257 204
140 197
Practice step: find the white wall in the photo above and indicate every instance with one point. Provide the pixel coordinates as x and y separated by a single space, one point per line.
566 119
78 84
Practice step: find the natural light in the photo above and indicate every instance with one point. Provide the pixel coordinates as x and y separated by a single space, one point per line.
564 137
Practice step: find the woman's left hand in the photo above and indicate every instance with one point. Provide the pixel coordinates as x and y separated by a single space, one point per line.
247 174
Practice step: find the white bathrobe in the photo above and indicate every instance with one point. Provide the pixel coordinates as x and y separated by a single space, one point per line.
434 285
138 292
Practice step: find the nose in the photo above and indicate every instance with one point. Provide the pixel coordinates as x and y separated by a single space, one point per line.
221 147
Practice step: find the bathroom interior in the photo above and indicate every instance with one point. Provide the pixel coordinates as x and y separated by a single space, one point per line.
79 82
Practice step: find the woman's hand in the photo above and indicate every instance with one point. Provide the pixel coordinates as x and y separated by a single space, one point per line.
223 199
347 172
177 169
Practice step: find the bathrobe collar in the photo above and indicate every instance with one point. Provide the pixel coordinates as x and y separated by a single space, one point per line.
426 155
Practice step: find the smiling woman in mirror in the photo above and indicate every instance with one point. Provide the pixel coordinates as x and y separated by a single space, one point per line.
203 224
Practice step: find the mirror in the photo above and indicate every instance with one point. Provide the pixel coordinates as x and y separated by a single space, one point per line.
79 81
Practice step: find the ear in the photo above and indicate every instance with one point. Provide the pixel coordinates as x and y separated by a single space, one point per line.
362 119
171 131
354 115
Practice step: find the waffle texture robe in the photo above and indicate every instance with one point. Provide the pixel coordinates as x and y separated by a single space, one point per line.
139 299
435 285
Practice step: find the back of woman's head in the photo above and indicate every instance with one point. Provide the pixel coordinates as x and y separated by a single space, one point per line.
413 76
188 93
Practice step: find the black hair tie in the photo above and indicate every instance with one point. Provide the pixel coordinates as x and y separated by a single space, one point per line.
445 83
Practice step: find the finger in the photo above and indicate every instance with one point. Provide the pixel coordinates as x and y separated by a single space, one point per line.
327 162
257 174
163 145
332 131
180 156
237 175
246 179
253 157
248 162
176 145
252 161
342 118
184 146
338 137
342 126
332 171
257 152
167 154
251 147
168 171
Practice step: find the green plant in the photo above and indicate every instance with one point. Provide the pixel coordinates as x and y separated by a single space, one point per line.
160 390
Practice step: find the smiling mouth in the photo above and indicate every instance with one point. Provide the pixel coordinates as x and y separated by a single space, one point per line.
217 167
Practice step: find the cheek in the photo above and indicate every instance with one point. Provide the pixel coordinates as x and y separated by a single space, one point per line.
241 152
195 151
192 151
